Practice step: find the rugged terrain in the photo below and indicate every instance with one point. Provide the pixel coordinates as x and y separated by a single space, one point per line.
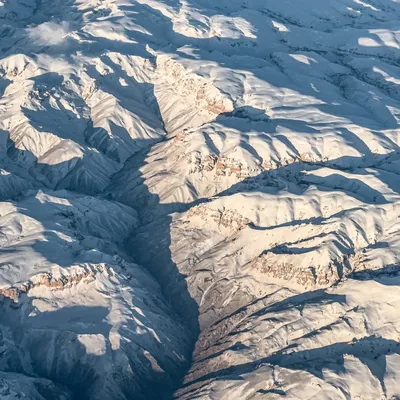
199 199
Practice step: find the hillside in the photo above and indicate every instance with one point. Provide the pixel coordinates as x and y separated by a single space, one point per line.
199 199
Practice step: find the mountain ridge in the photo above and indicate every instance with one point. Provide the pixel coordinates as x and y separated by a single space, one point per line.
199 200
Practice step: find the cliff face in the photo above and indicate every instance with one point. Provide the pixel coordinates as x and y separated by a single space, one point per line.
199 199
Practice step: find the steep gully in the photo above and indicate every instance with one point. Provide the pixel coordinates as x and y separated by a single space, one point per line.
165 271
163 268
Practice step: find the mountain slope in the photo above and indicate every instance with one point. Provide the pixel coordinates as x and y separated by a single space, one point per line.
199 199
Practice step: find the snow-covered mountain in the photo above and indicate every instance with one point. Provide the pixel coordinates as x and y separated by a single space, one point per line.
199 199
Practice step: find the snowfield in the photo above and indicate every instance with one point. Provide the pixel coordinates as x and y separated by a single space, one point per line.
199 199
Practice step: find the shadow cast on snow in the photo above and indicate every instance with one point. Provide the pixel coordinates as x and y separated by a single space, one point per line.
78 375
51 345
371 351
81 379
167 273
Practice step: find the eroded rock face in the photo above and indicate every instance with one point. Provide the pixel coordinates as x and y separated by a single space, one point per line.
48 281
197 97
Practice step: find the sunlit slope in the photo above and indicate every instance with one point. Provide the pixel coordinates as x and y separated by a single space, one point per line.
181 171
